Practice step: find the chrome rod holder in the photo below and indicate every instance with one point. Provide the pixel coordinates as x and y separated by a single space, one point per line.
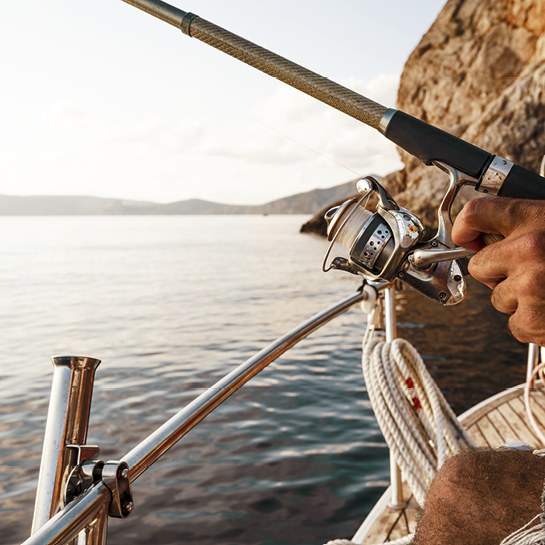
66 426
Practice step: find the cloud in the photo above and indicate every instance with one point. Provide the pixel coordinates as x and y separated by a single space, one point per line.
65 114
252 143
286 128
152 134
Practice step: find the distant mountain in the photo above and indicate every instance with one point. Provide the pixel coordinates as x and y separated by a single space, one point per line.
309 202
69 206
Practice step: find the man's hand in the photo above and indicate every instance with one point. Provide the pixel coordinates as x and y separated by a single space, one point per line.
515 267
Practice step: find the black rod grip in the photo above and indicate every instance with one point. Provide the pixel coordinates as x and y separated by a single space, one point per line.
428 143
521 183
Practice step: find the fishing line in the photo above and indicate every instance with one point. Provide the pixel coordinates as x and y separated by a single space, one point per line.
245 114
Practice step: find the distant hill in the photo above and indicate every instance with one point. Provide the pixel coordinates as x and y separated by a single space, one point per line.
68 206
309 202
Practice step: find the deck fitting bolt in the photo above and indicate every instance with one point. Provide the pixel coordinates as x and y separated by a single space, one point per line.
129 506
434 243
401 274
457 278
442 295
125 474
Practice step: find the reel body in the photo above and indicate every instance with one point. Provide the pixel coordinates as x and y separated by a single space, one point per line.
388 244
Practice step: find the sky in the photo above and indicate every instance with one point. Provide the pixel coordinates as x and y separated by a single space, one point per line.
101 99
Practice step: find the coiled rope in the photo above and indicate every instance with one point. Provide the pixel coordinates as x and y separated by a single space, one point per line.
419 426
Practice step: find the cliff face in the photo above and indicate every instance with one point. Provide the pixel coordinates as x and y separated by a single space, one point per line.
479 73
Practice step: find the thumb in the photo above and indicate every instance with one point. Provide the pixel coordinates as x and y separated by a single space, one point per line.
496 215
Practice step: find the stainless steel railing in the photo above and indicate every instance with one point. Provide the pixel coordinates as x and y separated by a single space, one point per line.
85 518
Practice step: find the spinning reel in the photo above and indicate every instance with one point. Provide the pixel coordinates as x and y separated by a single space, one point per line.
388 243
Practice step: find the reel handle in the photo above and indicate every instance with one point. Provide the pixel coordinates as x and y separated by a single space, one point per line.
489 238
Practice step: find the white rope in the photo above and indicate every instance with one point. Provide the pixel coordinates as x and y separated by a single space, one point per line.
528 534
418 425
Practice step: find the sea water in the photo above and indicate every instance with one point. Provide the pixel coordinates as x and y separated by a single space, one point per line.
170 304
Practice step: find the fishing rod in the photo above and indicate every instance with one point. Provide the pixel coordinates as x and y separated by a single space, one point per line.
387 244
495 175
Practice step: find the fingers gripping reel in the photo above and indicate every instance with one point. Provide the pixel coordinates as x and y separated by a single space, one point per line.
388 243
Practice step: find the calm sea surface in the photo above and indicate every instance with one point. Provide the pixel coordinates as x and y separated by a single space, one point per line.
170 305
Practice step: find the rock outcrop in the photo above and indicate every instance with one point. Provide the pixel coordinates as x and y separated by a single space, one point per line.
479 73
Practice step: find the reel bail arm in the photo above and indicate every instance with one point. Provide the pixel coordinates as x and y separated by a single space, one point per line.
442 247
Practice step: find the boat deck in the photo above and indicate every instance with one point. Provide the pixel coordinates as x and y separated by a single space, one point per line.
498 421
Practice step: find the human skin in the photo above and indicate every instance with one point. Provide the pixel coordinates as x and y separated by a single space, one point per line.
514 268
482 496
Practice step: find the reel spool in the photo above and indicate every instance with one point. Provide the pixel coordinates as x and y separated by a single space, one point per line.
355 216
366 235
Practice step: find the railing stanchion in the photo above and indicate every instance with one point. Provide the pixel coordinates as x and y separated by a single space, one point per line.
390 326
533 360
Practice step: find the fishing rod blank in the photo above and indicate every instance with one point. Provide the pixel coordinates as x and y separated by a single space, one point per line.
493 175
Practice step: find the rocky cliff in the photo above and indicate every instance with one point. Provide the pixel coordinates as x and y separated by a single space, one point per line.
479 73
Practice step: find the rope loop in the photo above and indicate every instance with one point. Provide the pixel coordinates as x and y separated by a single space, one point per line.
419 426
